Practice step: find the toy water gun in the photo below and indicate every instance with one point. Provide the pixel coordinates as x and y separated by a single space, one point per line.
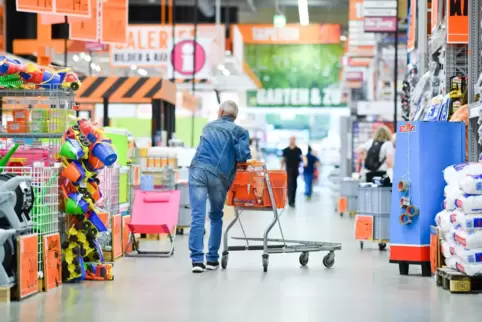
11 81
72 260
10 66
4 160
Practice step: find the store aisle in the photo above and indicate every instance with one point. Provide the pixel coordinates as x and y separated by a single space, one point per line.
362 285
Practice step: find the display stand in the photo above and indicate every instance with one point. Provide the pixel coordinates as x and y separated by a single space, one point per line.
415 199
35 120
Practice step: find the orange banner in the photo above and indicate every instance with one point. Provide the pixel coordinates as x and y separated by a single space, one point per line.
457 22
434 18
2 27
364 227
52 261
355 12
114 22
37 6
117 250
86 29
73 8
290 34
412 26
27 279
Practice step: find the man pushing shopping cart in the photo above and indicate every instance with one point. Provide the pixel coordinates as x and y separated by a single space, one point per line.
222 171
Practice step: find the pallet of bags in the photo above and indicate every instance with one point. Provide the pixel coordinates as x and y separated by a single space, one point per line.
460 223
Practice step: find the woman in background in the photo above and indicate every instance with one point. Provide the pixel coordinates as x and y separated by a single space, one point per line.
311 164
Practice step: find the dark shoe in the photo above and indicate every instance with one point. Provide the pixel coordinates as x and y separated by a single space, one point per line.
212 266
292 205
198 267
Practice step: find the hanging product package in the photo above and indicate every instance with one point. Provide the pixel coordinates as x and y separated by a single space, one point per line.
434 110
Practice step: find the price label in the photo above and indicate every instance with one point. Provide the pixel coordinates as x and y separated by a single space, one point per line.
74 8
114 22
38 6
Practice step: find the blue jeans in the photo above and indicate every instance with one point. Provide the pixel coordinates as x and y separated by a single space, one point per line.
203 185
308 184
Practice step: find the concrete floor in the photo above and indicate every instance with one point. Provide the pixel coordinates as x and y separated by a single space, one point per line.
361 286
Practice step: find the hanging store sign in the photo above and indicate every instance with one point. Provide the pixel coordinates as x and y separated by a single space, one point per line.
457 21
380 24
379 12
79 8
86 29
156 46
290 34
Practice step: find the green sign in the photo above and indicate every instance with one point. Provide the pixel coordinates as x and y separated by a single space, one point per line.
295 75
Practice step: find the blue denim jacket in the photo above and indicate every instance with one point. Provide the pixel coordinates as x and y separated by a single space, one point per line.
222 145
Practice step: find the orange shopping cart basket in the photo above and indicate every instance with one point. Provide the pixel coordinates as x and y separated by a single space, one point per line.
250 189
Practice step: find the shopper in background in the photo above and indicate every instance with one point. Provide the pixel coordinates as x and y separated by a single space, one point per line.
252 149
291 159
377 151
212 172
311 163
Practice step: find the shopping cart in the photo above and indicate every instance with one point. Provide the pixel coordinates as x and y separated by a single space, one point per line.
256 188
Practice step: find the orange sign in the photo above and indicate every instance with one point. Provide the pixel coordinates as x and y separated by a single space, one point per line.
2 27
290 34
114 22
355 12
412 26
457 21
52 261
434 248
117 236
364 227
27 276
434 18
86 29
37 6
125 234
73 8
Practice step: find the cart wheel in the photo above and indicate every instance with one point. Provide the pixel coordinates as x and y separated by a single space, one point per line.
265 263
224 261
341 214
180 231
304 257
361 245
382 246
329 260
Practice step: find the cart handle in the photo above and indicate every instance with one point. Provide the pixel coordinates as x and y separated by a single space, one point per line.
251 162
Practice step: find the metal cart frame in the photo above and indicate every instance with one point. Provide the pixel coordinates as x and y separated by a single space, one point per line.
281 245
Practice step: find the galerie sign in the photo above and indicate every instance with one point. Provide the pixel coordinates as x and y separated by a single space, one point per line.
157 46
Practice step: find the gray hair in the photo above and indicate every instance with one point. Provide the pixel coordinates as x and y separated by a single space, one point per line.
229 108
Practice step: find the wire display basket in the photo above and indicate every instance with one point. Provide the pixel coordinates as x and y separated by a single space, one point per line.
110 187
44 213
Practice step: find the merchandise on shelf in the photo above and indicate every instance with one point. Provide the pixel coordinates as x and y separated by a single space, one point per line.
15 75
84 152
460 223
7 257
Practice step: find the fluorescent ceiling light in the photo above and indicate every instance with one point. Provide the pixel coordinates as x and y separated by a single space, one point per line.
303 12
142 72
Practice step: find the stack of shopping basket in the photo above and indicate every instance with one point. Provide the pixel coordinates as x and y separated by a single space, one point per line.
373 209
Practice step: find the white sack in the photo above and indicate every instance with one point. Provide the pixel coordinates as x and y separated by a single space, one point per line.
471 184
455 262
460 220
470 203
442 220
468 239
453 173
451 193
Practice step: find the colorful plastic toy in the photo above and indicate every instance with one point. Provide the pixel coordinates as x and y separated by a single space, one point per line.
98 272
30 76
84 152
